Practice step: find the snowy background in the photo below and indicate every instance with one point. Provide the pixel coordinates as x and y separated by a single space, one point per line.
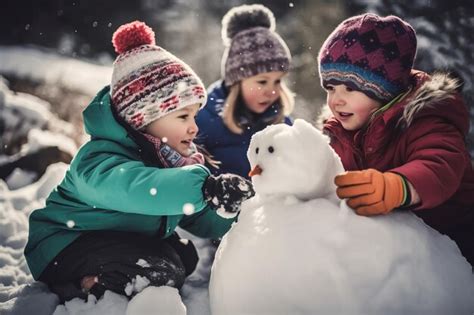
55 55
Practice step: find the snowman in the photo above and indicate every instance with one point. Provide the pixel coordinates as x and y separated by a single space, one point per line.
296 249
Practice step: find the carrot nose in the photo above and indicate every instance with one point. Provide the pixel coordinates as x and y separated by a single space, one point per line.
257 170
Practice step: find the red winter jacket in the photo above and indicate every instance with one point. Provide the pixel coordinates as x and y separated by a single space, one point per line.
422 137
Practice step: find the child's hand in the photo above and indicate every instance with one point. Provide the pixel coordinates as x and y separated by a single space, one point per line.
227 191
370 192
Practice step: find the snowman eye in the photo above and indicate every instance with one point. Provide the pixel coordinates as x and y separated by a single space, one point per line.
256 150
271 149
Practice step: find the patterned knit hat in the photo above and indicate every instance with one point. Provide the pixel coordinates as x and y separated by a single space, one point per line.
147 81
370 54
252 45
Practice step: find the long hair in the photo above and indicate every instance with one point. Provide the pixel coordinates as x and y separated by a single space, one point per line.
229 118
208 157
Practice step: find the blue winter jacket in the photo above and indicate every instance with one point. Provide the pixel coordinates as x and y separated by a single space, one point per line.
225 146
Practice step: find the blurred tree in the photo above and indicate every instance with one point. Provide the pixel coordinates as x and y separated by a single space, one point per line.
74 28
84 27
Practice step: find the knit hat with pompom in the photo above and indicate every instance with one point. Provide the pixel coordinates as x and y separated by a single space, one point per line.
148 82
252 45
371 54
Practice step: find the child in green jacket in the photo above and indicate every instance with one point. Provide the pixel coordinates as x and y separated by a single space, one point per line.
112 219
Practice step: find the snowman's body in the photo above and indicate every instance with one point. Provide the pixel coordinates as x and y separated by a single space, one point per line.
304 253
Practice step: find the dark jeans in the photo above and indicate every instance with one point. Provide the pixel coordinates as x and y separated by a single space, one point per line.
112 256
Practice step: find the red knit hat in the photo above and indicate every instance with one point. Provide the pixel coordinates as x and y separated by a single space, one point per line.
148 82
371 54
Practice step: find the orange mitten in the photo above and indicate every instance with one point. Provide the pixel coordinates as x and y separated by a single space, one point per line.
371 192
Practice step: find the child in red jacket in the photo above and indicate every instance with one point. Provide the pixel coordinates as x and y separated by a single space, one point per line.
399 132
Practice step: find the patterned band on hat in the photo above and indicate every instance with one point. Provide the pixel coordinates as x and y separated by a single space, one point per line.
370 53
377 87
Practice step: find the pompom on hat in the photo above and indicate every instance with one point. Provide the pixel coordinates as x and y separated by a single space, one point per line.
251 44
370 54
148 82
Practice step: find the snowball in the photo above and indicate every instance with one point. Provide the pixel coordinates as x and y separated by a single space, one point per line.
143 263
157 300
137 285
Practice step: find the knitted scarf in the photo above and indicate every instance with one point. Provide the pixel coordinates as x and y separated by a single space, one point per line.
170 157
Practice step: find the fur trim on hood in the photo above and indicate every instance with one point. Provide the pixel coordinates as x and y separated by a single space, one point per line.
435 90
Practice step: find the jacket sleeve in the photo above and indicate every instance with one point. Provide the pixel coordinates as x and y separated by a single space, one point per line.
207 224
436 160
117 182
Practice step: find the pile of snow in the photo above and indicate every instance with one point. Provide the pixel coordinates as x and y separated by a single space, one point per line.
296 250
53 69
19 294
21 113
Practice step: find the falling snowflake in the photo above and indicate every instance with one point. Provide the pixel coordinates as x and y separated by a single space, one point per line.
188 208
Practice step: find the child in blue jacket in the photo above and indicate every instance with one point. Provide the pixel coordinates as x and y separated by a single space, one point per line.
251 94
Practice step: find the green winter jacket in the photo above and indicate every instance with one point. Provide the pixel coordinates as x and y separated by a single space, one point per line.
108 187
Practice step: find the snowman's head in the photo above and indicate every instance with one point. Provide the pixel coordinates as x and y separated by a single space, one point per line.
293 160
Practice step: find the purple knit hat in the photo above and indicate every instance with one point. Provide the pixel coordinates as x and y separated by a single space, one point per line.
252 45
149 82
370 54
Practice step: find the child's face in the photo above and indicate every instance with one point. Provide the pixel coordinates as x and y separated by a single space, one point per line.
351 108
178 129
261 91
